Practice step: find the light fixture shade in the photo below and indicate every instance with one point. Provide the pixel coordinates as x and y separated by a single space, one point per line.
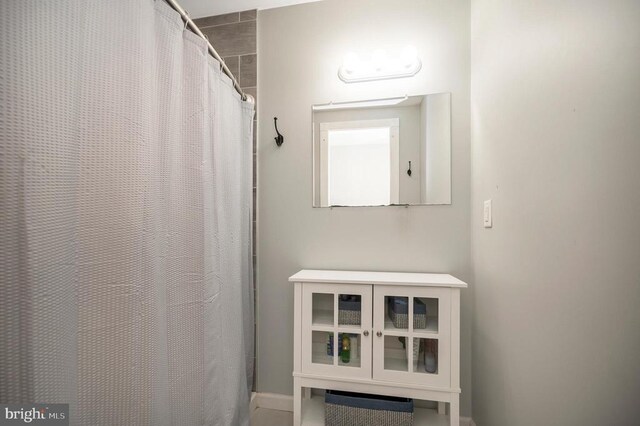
380 66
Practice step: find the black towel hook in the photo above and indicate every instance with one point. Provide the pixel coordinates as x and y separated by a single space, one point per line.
409 171
279 139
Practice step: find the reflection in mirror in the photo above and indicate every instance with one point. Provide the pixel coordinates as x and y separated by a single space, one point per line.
383 152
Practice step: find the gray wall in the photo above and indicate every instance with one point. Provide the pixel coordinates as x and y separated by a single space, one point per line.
555 109
300 49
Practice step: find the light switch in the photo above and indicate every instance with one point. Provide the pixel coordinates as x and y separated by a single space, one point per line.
487 214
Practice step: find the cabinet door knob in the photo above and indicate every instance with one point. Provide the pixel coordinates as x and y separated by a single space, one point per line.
366 333
379 334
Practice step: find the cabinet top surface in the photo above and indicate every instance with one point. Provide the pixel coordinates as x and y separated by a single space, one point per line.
364 277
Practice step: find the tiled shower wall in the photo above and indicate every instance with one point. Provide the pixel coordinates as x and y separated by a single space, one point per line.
233 35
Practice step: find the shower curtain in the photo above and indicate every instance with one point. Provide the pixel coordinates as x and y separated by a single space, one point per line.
125 190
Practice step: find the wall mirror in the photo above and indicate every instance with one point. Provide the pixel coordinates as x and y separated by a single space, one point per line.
382 152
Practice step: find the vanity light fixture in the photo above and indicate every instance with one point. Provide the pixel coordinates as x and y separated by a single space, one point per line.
380 66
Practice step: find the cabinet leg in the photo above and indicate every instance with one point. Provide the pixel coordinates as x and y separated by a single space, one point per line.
441 407
454 410
297 403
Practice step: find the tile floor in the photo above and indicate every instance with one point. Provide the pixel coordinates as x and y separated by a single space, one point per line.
264 417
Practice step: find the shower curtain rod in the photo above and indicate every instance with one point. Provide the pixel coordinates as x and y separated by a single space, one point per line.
185 17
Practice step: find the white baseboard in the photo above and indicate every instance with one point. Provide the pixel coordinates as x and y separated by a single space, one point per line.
276 401
467 421
253 402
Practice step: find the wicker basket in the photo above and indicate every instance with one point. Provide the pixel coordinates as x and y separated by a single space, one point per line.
349 312
354 409
399 313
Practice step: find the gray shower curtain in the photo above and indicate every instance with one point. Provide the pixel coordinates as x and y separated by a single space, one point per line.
125 191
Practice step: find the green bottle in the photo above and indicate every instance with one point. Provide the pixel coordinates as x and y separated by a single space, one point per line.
345 354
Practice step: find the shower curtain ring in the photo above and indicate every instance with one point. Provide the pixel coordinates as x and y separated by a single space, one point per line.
186 20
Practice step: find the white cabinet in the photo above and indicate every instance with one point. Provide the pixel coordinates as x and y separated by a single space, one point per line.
402 349
377 332
324 329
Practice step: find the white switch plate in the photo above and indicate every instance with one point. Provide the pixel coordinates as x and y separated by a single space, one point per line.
487 214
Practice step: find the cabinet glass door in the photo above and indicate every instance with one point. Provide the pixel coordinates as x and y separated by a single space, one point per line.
336 329
412 335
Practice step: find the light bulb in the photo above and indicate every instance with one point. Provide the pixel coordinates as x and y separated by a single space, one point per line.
409 55
379 59
350 62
